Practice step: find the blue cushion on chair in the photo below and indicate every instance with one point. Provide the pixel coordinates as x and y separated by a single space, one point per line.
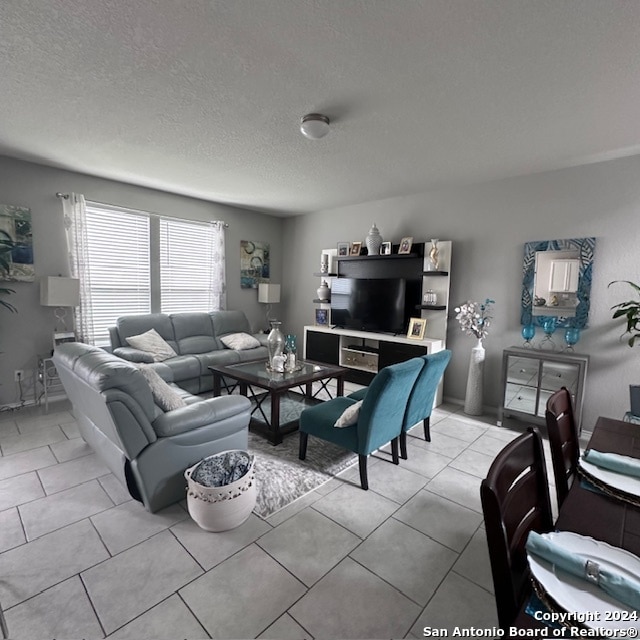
381 415
316 420
359 394
424 391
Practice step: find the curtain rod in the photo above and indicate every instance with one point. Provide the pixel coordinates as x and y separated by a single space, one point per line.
65 196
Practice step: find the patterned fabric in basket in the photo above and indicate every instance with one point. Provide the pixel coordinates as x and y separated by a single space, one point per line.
222 469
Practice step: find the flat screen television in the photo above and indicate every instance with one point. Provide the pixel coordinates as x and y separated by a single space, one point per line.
369 304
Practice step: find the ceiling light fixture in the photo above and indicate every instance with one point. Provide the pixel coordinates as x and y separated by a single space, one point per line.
314 126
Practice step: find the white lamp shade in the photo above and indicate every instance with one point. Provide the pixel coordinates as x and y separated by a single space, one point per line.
59 292
268 293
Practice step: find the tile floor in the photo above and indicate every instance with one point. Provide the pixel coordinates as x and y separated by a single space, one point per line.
80 559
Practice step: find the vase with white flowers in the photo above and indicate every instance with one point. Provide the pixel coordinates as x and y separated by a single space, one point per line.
475 319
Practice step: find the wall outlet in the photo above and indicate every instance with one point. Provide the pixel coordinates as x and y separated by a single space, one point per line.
18 375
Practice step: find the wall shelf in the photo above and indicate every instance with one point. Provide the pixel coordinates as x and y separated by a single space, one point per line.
412 267
392 256
318 301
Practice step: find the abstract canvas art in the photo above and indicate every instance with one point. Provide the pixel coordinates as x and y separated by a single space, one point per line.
254 263
16 244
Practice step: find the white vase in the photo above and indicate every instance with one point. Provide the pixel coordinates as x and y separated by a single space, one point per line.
475 380
275 342
324 292
373 241
434 254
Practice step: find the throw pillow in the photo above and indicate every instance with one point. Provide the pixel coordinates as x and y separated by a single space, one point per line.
163 395
153 343
240 341
349 415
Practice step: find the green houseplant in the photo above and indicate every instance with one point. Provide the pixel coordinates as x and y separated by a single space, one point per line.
630 311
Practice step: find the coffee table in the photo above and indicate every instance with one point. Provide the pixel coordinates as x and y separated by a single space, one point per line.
265 417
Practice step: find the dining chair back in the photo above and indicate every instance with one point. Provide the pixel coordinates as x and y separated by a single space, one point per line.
515 500
378 421
422 396
563 441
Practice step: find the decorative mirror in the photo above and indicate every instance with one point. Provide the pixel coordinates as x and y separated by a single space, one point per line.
556 282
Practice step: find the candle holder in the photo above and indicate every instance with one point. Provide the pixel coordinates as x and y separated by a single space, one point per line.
528 332
571 337
549 327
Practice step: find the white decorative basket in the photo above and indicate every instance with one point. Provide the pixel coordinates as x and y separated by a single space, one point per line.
221 508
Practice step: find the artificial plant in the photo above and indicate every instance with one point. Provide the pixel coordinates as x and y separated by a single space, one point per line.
630 310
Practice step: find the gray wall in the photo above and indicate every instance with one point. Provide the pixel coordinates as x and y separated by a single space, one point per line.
489 224
29 332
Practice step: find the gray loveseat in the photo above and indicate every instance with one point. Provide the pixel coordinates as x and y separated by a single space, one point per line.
195 337
146 447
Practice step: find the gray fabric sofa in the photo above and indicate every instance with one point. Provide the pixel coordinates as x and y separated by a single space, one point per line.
145 447
195 337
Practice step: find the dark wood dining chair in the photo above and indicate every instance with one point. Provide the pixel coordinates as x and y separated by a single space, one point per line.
563 441
515 500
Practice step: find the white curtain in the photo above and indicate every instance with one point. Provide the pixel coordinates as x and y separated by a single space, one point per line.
75 224
218 269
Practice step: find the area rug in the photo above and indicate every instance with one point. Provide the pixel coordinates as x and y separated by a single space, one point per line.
282 478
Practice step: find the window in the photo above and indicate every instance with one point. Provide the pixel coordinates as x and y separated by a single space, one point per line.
142 263
118 245
185 266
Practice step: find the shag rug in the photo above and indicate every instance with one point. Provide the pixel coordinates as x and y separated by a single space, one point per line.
282 478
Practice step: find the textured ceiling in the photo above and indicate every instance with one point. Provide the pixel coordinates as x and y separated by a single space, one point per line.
203 97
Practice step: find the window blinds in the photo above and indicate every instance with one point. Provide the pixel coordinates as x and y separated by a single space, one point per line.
186 257
119 266
125 247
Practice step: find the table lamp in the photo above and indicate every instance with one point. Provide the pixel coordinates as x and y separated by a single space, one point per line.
59 292
268 294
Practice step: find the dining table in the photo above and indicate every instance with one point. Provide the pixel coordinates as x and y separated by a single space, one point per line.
588 512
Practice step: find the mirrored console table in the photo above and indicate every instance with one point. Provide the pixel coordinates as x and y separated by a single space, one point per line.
531 376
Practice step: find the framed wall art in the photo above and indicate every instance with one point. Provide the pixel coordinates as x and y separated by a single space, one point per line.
16 244
254 263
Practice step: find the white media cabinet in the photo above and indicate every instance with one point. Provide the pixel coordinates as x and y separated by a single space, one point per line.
415 266
364 353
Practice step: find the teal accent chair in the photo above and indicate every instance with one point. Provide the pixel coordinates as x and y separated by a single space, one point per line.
379 421
422 396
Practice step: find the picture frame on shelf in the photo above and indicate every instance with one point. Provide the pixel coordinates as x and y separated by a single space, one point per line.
385 249
417 327
322 317
405 245
343 249
355 248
